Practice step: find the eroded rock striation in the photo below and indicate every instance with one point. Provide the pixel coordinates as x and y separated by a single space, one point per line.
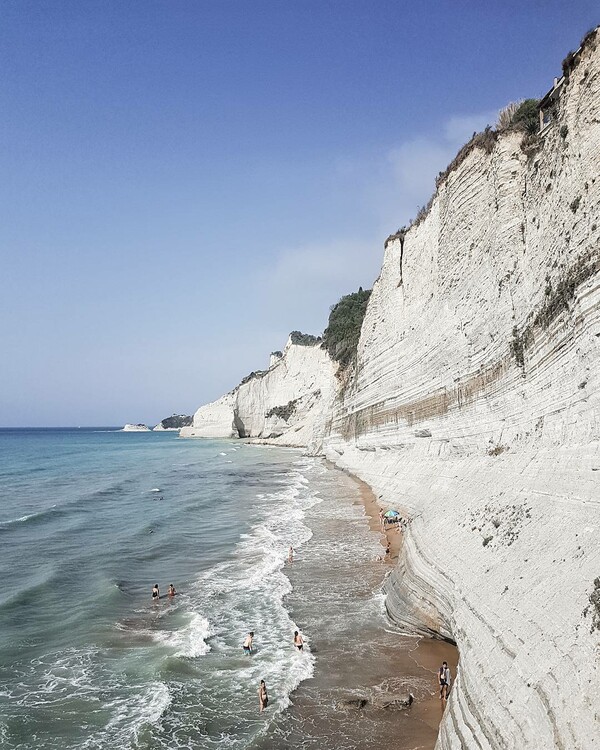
474 406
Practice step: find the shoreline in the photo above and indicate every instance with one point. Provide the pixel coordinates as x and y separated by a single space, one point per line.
428 653
366 666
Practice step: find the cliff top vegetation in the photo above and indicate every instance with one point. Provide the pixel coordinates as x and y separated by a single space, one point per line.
517 116
176 421
341 336
304 339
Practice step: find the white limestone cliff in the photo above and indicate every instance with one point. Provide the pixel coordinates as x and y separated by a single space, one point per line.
475 408
286 404
214 420
135 428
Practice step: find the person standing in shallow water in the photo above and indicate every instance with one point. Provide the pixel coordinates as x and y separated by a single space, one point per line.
247 645
291 555
263 698
444 680
298 641
155 593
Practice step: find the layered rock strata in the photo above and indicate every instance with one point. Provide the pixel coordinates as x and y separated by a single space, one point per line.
476 408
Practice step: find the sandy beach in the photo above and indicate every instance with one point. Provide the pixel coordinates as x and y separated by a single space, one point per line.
428 653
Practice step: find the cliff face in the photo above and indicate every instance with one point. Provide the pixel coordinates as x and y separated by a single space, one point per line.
286 404
475 408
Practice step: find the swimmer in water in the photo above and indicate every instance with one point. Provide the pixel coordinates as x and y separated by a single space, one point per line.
263 698
247 646
172 591
155 593
298 641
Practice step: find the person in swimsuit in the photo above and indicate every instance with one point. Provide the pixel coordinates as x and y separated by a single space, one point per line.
291 555
172 591
263 698
298 641
247 646
387 549
155 593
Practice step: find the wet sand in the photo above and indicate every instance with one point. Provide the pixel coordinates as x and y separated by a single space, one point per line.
360 656
429 653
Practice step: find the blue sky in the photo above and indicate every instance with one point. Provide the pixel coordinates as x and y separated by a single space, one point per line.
185 182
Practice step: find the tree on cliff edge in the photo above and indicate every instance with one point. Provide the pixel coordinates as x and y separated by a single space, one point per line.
341 336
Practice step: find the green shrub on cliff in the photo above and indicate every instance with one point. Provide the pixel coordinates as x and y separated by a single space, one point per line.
343 330
304 339
527 116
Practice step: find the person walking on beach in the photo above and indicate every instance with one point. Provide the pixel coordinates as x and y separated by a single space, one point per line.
388 549
298 641
444 680
155 593
263 698
247 646
291 554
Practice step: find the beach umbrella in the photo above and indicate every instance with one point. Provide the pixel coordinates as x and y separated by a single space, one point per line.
391 514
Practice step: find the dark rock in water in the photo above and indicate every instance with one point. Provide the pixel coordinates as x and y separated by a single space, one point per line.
403 701
356 702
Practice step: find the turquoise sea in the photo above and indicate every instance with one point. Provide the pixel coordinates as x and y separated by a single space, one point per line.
90 519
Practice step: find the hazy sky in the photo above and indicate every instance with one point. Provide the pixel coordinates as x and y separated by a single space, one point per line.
185 182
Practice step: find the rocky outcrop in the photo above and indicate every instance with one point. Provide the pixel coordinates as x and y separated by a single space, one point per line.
135 428
174 423
286 404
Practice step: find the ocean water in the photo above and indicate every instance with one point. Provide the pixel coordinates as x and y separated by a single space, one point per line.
91 519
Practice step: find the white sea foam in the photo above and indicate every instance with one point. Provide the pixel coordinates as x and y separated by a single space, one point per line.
189 640
57 680
129 716
248 592
28 517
